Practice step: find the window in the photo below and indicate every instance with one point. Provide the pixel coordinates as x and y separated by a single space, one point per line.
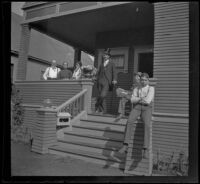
119 61
119 56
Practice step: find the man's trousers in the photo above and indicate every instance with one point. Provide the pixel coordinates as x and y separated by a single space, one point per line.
146 113
103 88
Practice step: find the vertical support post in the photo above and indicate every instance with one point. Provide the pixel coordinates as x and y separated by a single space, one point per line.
77 55
23 52
44 134
87 84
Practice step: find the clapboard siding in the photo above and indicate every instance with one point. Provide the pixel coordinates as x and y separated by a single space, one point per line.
171 57
35 93
169 137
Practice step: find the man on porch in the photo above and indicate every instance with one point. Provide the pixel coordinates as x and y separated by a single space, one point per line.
142 99
106 78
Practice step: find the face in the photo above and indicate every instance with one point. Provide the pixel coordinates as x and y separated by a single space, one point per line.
144 81
137 79
53 64
65 65
106 57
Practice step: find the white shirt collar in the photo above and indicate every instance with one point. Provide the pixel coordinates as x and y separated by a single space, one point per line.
106 62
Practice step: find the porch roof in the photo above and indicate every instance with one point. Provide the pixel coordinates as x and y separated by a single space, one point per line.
78 26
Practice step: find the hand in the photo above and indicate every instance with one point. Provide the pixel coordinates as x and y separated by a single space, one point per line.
142 101
114 82
128 97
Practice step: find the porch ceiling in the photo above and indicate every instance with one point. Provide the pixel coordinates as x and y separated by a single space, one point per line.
80 29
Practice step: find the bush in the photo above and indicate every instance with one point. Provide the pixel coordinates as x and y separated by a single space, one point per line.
170 166
17 110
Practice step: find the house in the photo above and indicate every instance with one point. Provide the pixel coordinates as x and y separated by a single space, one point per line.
158 38
42 50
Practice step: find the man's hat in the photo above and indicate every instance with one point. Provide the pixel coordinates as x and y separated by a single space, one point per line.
107 51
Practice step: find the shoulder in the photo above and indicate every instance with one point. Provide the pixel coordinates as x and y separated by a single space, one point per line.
47 69
151 88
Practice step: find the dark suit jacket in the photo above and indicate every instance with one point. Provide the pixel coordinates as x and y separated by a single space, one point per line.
110 72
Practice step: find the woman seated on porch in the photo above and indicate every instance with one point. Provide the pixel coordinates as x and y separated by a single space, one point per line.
78 71
65 73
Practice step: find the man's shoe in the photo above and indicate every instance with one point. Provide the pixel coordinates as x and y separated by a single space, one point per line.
145 153
123 149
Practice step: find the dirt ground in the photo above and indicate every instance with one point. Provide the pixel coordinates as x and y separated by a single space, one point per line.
27 163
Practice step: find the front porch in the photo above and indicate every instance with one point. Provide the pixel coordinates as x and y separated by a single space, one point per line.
162 30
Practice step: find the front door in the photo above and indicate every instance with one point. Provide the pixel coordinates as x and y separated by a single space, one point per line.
143 60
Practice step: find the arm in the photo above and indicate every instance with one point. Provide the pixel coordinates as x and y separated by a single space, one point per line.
114 73
134 97
45 75
70 74
58 76
148 99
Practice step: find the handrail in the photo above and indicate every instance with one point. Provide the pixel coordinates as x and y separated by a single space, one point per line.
71 100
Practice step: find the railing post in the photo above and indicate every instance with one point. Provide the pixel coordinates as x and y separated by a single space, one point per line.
87 84
44 134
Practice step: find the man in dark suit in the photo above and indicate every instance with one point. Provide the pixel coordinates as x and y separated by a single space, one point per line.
106 79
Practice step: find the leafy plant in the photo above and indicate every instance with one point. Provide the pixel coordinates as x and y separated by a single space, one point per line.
170 166
17 111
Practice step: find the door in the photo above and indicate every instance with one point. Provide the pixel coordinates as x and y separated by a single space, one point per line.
143 61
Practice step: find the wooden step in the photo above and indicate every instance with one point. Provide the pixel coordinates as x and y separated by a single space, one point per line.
104 138
86 138
88 156
98 131
110 120
92 147
102 124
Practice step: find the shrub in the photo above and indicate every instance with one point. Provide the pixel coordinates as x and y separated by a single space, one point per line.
170 165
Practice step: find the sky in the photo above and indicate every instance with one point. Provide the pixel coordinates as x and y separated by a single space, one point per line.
16 7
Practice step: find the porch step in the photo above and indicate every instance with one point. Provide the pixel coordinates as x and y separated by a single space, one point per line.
93 139
103 148
106 118
104 132
106 160
104 138
102 124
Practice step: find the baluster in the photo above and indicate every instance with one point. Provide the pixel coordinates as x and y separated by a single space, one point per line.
79 105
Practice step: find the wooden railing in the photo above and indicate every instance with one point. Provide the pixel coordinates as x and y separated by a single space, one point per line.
74 105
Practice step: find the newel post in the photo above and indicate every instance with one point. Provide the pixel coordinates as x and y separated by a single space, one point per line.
87 84
44 134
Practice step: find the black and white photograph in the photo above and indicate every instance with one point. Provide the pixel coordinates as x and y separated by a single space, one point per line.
104 89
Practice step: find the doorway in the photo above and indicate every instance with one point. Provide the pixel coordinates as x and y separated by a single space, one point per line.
143 60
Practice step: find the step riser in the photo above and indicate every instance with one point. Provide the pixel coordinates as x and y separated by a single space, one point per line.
99 133
69 137
102 125
89 159
106 119
87 148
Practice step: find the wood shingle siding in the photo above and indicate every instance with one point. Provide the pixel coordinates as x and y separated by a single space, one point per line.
171 57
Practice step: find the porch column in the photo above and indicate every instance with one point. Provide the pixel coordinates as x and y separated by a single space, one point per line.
44 134
87 84
77 55
23 52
